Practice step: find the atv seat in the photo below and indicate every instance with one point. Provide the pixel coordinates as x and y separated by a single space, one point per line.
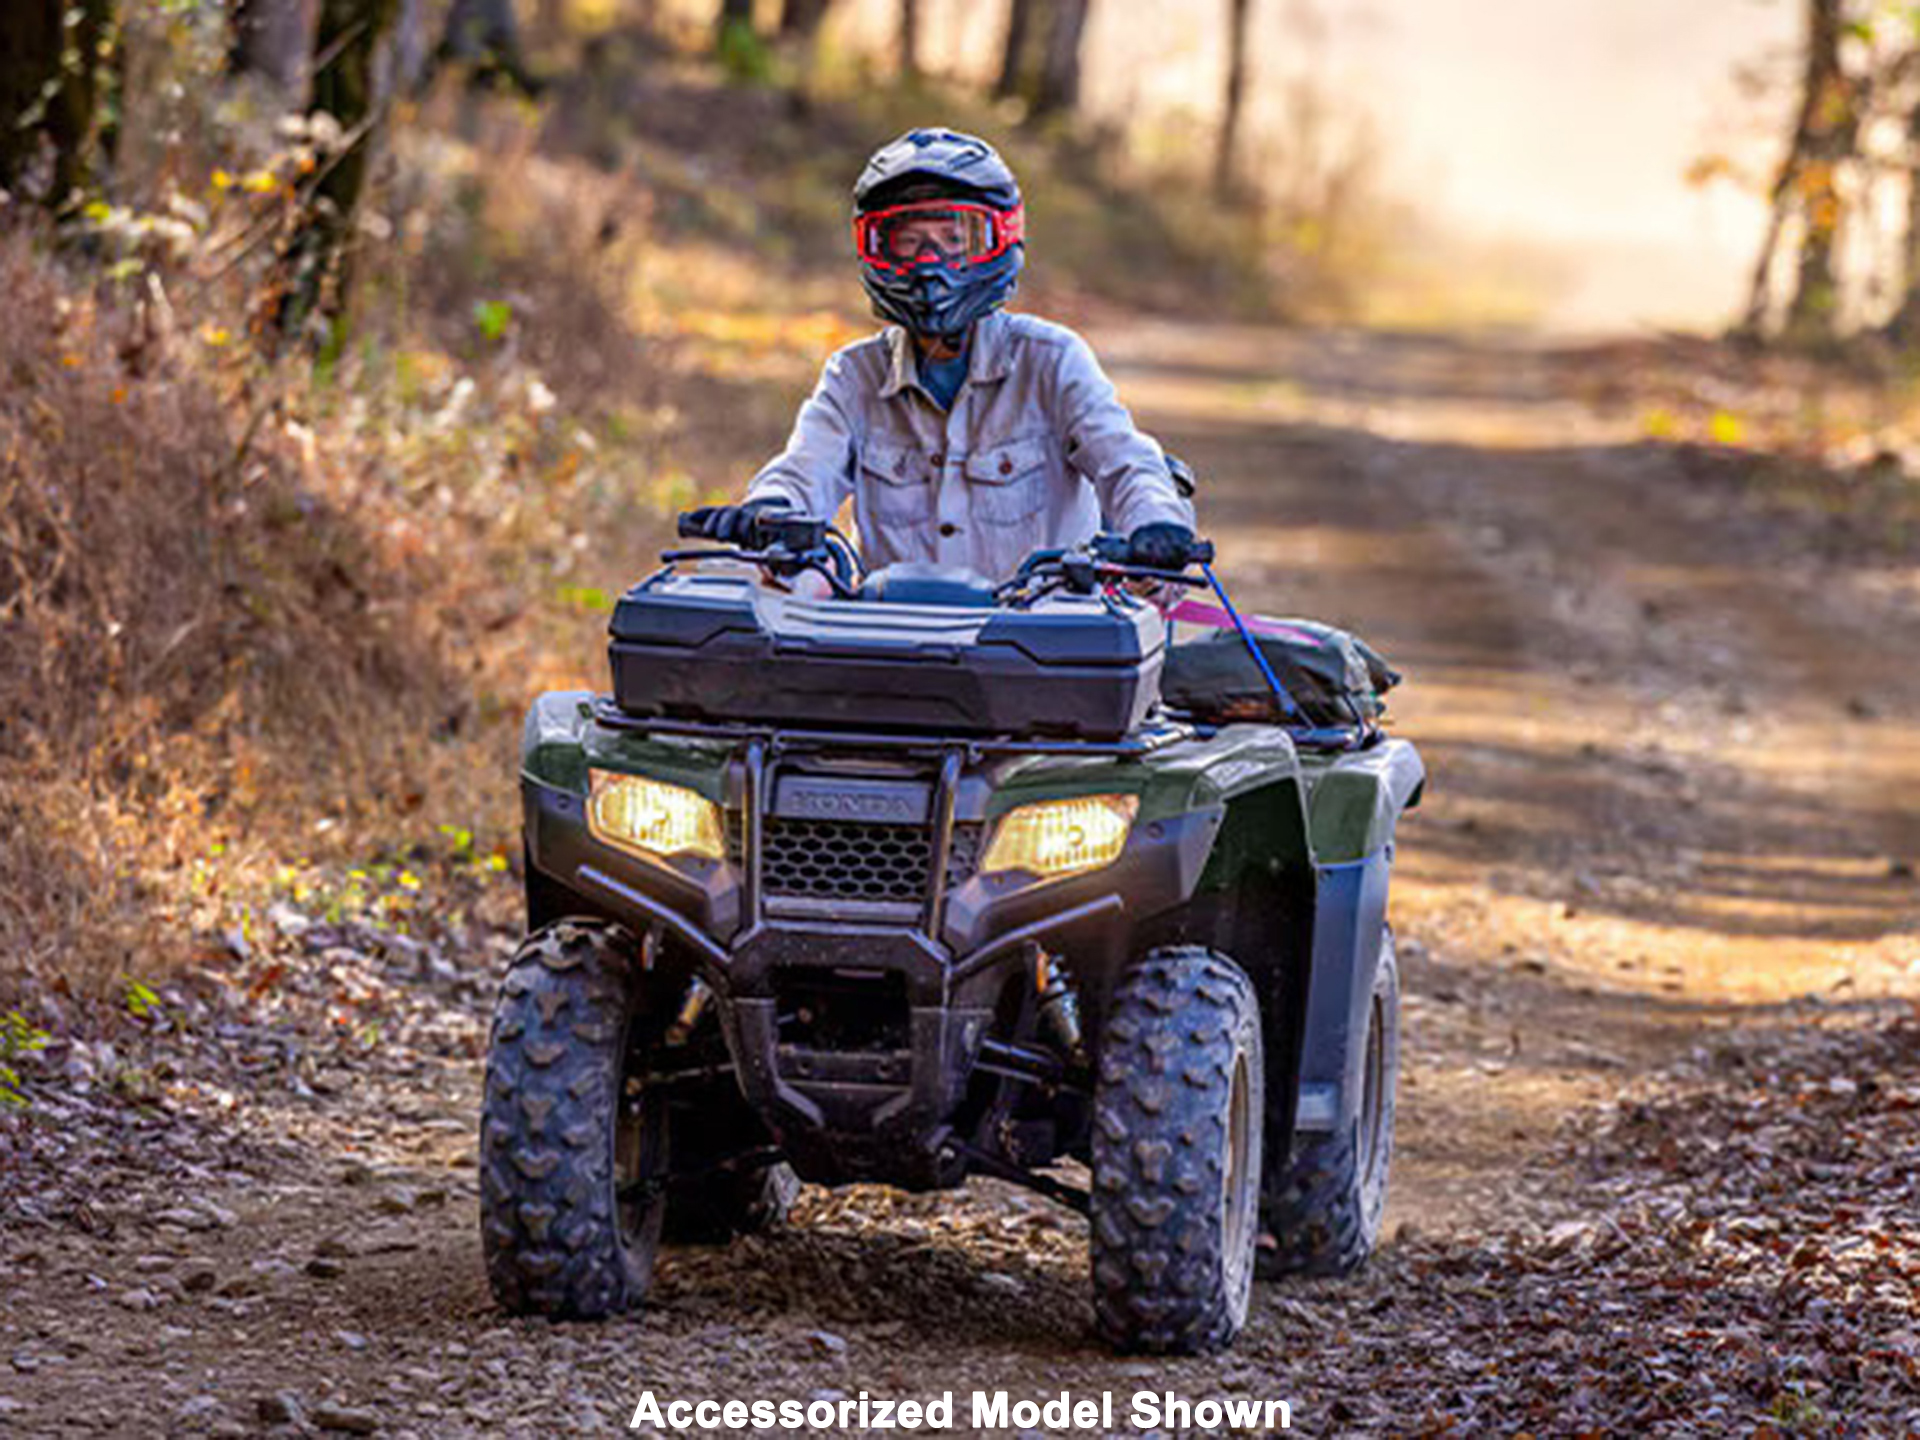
916 582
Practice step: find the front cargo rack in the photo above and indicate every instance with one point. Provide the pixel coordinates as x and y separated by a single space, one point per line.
1156 736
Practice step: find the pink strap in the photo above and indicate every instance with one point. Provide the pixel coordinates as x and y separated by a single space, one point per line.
1196 612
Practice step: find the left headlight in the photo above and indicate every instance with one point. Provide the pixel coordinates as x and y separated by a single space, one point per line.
1061 837
635 813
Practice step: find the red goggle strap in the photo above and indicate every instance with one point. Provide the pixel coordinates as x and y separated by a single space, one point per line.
1009 226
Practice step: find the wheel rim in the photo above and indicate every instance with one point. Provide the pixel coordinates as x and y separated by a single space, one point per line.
1373 1091
1239 1178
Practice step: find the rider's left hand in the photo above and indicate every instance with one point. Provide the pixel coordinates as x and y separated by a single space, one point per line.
1163 545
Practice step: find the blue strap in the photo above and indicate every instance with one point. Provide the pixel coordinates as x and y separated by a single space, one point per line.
1287 707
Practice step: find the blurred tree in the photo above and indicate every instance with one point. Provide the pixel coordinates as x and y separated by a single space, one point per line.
1904 327
1013 52
1059 83
734 14
1040 62
484 36
1825 137
54 57
1825 140
316 262
270 39
801 19
415 51
1225 177
909 36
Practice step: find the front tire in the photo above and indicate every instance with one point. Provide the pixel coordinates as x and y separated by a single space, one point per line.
1178 1110
573 1154
1324 1213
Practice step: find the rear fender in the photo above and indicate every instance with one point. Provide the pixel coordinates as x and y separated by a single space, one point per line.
1354 809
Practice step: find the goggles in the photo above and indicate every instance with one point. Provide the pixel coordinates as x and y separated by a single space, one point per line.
936 232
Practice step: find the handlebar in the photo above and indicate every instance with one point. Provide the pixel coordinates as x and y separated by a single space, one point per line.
1114 549
789 544
793 543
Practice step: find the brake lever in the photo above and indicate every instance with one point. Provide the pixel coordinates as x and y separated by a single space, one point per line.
1158 577
727 552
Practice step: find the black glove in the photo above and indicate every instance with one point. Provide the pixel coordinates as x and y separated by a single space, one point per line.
1163 545
731 524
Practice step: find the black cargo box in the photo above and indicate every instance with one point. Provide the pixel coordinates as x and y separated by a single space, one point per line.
720 647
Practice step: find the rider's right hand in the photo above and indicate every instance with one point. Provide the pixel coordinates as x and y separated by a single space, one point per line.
731 524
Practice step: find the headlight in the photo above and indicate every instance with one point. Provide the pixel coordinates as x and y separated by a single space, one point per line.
1059 837
651 815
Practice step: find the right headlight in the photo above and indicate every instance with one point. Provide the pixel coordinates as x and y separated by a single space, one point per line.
1061 837
651 816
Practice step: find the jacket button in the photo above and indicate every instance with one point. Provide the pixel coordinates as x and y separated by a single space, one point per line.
949 528
939 461
1006 464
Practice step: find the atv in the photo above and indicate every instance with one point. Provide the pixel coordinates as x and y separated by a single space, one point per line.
906 877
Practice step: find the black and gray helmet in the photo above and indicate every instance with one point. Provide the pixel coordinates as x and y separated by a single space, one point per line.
940 229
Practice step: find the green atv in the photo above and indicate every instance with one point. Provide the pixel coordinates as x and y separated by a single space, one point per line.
921 877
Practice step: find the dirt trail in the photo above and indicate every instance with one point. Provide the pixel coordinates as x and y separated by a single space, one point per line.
1676 786
1676 765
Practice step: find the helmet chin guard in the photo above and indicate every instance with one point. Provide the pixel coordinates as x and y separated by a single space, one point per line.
940 231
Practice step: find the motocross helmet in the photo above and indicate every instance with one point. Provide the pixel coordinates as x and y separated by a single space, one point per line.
940 230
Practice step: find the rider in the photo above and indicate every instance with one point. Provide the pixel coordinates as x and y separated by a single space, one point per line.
966 435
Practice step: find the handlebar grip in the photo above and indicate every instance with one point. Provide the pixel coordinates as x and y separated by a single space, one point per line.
688 527
1202 553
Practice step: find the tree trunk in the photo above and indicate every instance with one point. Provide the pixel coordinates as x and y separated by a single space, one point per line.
1824 141
485 36
72 114
269 39
30 45
733 13
800 19
52 60
1013 55
910 39
1225 173
1904 328
318 259
415 53
1058 89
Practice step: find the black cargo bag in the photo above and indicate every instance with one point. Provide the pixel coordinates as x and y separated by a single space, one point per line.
1337 679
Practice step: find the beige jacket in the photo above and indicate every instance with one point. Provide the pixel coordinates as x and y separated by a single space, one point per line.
1037 451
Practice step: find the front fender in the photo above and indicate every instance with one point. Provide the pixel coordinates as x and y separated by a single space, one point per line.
553 740
1357 798
1354 809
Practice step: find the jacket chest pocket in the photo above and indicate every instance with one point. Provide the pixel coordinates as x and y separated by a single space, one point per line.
898 482
1007 484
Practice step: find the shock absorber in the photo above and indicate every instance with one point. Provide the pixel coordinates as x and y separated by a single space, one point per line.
691 1009
1059 1005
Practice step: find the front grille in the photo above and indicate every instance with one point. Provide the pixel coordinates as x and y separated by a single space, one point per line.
846 860
963 856
852 860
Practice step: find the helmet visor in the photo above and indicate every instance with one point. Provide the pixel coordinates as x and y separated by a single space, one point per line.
935 232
